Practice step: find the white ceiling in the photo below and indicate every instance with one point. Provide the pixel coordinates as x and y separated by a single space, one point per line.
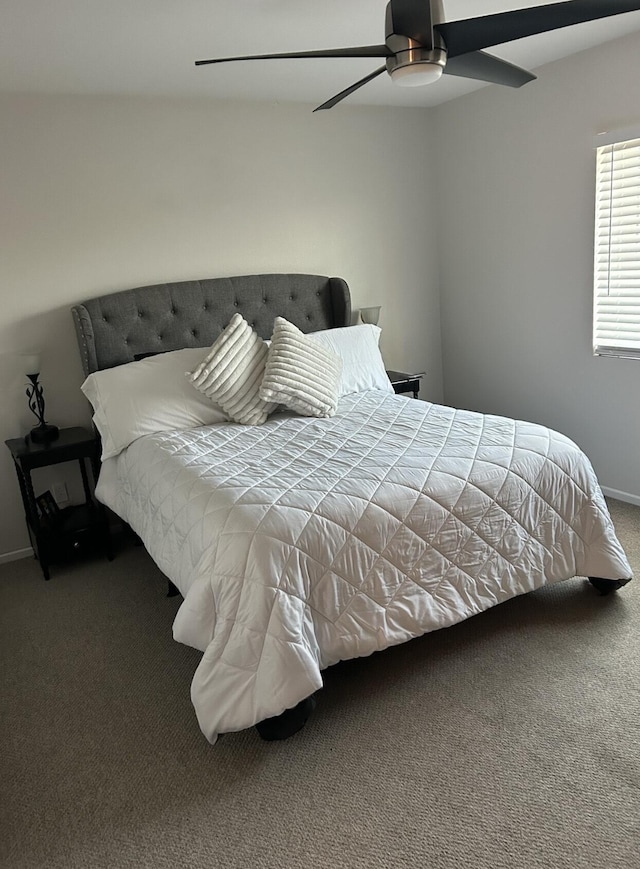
149 46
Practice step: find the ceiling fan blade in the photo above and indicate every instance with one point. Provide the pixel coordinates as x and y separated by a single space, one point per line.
472 34
354 87
486 67
412 18
359 51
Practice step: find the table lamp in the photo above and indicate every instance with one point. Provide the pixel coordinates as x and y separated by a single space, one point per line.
43 433
370 315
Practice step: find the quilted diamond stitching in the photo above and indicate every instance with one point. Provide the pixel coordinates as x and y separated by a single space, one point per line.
380 454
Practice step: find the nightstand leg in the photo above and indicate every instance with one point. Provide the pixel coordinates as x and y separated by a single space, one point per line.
85 481
32 518
103 517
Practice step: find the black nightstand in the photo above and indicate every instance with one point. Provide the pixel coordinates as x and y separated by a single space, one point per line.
402 382
74 530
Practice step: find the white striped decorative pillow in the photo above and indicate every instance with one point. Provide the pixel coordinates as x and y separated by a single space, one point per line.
231 373
300 373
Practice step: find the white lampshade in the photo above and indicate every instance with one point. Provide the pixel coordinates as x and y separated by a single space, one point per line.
31 363
370 315
416 74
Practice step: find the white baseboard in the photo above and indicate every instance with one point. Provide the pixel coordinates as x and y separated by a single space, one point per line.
627 497
16 556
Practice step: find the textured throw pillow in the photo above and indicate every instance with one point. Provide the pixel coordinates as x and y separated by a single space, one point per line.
301 373
231 373
141 398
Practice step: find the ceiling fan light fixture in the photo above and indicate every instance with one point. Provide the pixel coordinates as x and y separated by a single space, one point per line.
414 65
417 74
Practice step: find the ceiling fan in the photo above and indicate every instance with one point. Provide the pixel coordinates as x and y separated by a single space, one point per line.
420 45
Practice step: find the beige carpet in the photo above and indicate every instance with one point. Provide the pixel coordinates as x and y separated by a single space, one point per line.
511 740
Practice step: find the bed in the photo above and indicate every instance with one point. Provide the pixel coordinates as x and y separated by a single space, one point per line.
308 539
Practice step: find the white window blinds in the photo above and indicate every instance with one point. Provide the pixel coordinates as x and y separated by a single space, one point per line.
616 322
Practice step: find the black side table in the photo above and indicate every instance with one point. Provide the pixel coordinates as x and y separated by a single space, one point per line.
402 382
75 529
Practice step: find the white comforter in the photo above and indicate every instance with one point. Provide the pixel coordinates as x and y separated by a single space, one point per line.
303 542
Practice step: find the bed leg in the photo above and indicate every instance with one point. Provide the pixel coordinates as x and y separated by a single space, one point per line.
172 591
606 586
290 722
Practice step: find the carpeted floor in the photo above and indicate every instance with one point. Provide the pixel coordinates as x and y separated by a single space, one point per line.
511 740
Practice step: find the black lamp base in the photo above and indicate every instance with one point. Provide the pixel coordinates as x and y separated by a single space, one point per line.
44 434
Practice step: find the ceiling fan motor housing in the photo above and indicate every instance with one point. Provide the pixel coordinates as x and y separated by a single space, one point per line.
430 52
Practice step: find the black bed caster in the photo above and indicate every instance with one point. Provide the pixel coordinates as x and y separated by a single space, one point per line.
290 722
606 586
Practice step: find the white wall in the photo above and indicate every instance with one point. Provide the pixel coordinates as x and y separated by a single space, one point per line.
516 187
101 194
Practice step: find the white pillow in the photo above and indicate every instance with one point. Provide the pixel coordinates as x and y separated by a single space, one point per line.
301 373
362 363
146 397
231 373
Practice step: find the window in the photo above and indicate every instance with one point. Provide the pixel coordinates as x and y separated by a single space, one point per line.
616 320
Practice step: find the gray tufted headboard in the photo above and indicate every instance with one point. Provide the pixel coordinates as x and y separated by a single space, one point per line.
113 329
